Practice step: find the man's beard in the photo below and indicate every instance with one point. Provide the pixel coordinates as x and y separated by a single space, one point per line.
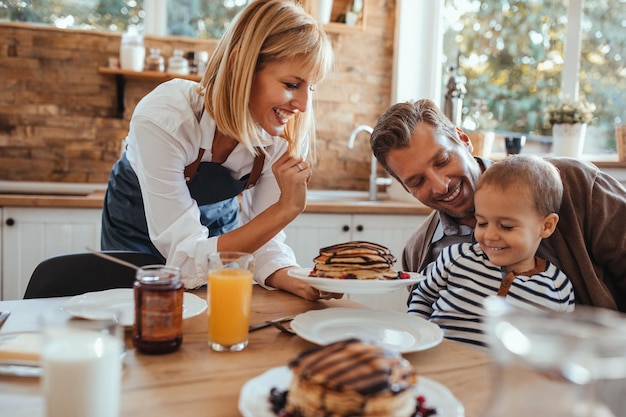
459 216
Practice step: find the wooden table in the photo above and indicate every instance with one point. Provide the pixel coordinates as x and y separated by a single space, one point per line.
196 381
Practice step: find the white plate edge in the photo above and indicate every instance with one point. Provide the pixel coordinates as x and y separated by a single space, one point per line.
72 306
353 286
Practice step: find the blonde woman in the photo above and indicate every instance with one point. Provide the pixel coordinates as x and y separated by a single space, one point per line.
244 130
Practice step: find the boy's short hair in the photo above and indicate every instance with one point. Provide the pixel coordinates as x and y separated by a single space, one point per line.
534 177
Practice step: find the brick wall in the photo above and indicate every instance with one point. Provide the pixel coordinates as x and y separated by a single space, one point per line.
58 114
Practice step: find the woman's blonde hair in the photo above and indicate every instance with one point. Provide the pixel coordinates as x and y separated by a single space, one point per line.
265 31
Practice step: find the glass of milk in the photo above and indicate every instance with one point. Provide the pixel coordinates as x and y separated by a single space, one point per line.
553 364
82 365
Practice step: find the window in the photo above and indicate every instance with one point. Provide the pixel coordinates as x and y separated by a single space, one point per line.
108 15
513 55
201 18
192 18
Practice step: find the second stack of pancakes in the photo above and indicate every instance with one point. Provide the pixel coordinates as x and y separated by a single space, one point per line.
355 260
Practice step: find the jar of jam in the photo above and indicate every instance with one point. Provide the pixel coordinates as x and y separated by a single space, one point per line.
158 326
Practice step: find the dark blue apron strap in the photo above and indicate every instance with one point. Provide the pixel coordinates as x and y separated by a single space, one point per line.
257 167
209 182
213 183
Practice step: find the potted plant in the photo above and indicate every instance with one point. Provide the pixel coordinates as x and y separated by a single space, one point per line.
569 120
570 112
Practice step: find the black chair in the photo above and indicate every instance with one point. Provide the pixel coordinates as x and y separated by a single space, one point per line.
78 273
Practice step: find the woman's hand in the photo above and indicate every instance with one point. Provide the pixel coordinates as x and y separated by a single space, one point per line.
292 175
282 281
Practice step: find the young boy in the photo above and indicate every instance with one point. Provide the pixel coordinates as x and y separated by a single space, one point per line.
516 203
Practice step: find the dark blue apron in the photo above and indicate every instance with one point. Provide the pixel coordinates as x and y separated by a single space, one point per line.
124 225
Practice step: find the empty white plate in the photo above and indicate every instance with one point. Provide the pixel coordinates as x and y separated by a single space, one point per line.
396 331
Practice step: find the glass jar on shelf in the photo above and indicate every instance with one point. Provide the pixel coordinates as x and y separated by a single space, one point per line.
353 12
191 59
132 51
155 61
177 63
202 58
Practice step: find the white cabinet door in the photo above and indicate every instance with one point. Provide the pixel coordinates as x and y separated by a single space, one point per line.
388 230
31 235
391 231
311 231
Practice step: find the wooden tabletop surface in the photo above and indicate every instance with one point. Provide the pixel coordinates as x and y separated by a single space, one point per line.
196 381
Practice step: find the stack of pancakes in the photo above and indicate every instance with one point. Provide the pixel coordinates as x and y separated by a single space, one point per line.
351 378
355 260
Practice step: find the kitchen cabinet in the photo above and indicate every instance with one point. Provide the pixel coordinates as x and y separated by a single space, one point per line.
39 226
31 234
311 231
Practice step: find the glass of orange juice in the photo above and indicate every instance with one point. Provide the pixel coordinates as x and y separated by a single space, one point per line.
229 292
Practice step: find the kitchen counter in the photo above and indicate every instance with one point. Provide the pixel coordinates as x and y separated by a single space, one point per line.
383 206
92 200
91 195
320 201
51 194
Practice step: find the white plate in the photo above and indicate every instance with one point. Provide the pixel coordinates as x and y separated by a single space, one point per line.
394 330
95 305
353 286
23 342
254 395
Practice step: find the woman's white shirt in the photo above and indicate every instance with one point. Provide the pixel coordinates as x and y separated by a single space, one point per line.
167 130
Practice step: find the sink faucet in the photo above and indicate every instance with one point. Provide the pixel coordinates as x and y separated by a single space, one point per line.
375 180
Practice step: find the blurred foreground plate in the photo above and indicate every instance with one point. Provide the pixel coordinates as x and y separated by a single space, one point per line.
254 395
19 354
396 331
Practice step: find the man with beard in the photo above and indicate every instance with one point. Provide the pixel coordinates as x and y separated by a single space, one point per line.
431 158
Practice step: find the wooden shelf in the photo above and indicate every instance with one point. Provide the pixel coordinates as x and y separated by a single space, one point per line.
335 27
122 75
147 75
